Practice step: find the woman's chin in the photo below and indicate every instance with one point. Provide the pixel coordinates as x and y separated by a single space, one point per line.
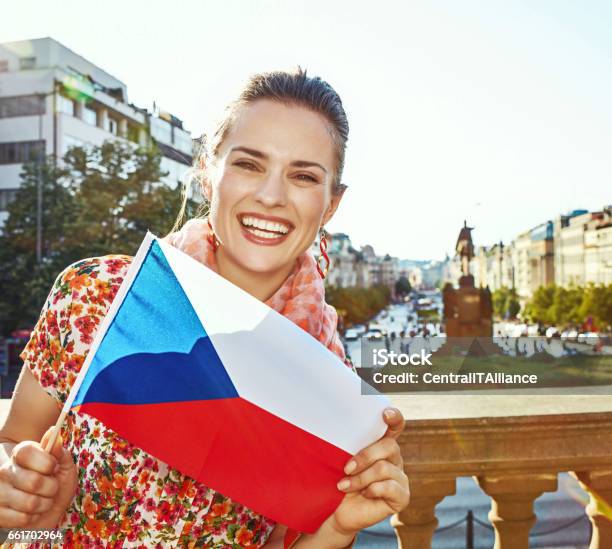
262 263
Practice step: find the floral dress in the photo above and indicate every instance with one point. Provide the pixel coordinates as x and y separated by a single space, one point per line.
125 497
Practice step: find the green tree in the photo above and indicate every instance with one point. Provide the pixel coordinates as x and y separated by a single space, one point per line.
597 303
402 286
100 201
119 198
358 304
505 302
539 308
24 281
572 305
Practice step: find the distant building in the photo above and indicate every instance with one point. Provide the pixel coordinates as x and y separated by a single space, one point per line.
51 98
541 256
342 273
598 248
569 247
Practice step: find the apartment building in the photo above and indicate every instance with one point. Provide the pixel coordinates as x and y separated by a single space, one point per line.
51 98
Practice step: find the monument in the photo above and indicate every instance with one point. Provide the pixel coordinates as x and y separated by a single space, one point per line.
467 309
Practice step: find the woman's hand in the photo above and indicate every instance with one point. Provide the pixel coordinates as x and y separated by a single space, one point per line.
376 485
36 486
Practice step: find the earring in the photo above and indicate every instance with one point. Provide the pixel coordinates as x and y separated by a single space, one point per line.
323 258
212 238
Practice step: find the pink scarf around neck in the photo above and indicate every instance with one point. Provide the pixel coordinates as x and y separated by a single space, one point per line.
301 298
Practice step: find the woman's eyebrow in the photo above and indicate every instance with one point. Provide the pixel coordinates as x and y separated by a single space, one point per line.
307 164
264 156
252 152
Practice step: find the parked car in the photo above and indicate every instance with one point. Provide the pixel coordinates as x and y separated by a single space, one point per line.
377 328
550 332
374 334
570 335
360 329
351 335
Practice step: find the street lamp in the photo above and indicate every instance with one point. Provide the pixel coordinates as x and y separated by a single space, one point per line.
39 185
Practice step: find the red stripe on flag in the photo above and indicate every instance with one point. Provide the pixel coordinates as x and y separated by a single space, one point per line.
240 450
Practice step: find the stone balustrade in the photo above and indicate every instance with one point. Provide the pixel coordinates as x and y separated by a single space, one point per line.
514 446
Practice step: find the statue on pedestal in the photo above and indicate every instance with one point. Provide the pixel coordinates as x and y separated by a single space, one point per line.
465 251
468 310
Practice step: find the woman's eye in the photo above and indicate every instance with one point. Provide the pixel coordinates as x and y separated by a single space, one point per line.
246 165
307 177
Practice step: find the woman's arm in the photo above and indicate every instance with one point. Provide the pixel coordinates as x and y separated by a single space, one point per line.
36 486
31 413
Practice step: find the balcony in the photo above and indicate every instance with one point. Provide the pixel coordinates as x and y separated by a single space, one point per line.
514 447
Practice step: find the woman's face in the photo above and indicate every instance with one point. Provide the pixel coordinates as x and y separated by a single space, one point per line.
271 185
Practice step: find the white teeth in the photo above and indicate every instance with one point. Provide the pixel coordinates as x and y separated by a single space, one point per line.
263 234
265 225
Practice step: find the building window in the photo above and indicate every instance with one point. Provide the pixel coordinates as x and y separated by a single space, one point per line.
65 105
90 116
6 197
24 105
21 151
113 126
27 63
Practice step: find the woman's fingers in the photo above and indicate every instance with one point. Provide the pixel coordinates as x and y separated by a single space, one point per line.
379 471
385 448
32 482
9 518
394 493
30 455
24 502
395 421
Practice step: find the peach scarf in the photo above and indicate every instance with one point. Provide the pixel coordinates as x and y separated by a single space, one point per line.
301 298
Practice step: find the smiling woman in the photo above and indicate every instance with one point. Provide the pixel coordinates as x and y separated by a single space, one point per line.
272 177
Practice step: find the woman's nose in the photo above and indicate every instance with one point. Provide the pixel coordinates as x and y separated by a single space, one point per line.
272 191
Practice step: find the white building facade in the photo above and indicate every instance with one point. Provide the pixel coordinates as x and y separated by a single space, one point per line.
52 98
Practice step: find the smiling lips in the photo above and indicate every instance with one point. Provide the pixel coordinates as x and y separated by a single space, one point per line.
264 230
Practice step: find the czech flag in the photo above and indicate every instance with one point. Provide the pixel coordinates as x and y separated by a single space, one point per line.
211 381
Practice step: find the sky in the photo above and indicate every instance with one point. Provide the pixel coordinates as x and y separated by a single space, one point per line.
494 111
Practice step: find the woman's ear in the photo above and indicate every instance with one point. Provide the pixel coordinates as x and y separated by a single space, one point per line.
334 203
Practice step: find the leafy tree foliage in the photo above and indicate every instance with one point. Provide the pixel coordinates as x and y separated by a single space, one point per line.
358 305
402 287
572 306
505 302
96 202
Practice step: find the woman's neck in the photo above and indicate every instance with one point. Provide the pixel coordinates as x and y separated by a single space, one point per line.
260 285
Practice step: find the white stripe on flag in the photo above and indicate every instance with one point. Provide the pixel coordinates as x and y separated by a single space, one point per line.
274 364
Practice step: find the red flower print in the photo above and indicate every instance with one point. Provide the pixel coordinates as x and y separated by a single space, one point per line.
219 509
96 528
164 512
243 536
90 507
119 482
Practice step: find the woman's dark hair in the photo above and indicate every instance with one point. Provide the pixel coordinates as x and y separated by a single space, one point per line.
290 88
